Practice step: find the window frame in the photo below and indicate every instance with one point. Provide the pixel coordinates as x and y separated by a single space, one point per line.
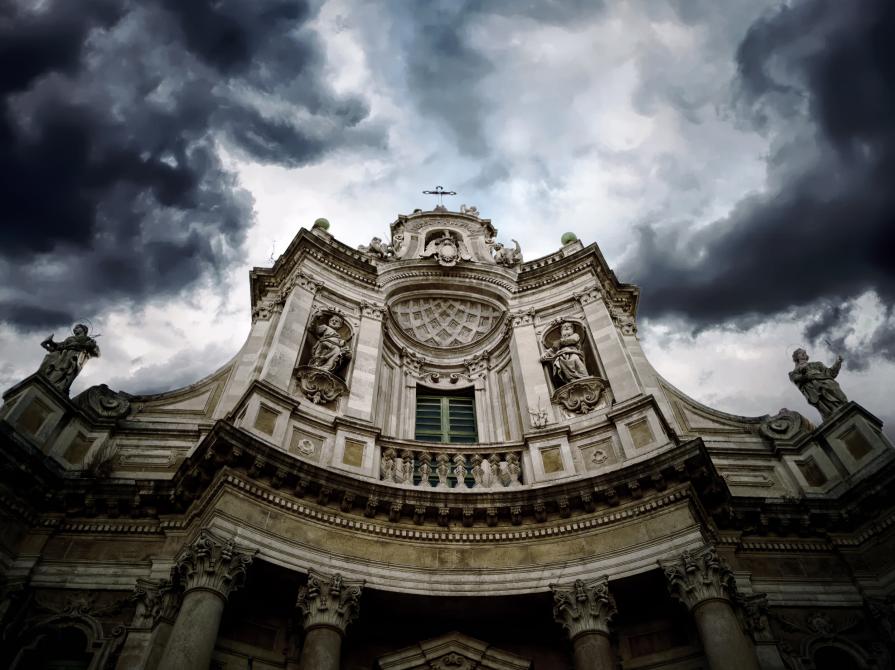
448 431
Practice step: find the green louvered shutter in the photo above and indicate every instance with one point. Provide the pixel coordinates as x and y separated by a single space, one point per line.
447 419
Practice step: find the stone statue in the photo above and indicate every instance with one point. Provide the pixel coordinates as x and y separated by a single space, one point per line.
471 210
817 382
567 357
378 248
330 350
507 257
65 359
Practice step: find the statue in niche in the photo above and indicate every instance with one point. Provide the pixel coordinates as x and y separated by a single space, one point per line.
330 350
566 356
506 257
65 359
378 248
817 382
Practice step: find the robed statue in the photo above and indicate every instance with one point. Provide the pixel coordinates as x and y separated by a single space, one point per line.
566 356
65 359
817 382
330 350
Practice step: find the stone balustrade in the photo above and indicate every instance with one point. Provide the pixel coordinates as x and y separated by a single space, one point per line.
451 469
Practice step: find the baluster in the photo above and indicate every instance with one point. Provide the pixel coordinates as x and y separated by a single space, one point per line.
460 470
425 469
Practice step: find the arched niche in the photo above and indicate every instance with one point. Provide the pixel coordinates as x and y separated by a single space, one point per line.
325 358
576 377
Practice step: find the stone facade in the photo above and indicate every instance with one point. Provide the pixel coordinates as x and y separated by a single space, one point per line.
575 509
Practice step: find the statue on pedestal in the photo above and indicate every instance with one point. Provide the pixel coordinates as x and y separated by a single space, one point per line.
566 356
817 382
65 359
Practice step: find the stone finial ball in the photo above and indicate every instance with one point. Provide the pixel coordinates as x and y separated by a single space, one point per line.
568 238
322 223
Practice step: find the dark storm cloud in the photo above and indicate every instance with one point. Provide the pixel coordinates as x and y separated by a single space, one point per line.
819 79
111 116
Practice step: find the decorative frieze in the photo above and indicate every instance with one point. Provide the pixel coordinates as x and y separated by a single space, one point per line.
329 600
213 564
696 578
584 607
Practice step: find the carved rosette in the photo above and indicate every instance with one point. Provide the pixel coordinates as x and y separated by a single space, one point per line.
583 607
319 386
696 578
329 601
784 425
213 564
582 395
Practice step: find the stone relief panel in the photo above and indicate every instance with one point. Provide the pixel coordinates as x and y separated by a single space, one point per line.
445 321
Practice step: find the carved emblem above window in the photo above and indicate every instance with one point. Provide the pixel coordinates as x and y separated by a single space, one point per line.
445 321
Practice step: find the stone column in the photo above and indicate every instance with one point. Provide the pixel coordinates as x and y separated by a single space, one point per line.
157 602
210 569
706 586
585 609
327 604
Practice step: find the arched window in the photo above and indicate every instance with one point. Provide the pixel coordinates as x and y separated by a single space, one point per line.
60 649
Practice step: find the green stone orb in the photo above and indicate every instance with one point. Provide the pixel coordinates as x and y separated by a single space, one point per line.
568 238
322 223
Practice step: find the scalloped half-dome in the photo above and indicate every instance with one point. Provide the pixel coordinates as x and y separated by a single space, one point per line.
445 321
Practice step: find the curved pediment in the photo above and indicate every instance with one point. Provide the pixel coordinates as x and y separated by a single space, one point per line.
445 320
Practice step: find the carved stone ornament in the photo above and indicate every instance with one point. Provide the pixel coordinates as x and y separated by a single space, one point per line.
695 578
319 386
378 249
102 402
582 395
213 564
784 425
329 600
157 600
510 258
453 651
583 607
445 321
448 250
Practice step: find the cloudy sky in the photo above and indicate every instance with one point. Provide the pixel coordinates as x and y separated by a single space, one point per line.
735 158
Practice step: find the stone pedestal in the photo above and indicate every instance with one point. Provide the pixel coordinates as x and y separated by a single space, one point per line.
706 586
210 569
327 604
585 609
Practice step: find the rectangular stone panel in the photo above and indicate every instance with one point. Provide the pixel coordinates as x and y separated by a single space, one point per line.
856 444
812 472
598 454
354 453
552 460
641 433
78 449
34 416
303 445
266 420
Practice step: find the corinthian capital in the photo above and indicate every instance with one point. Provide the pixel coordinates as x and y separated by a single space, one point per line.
213 564
583 607
696 578
329 600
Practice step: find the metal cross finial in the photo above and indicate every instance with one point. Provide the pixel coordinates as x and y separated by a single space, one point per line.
440 192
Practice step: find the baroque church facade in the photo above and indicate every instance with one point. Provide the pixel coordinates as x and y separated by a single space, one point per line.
430 453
